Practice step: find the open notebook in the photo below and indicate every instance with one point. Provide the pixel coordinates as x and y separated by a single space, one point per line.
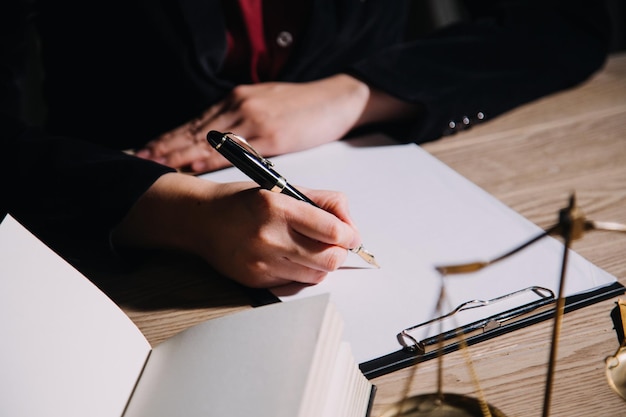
68 350
415 213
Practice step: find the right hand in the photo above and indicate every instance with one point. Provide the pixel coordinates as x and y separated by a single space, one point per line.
254 236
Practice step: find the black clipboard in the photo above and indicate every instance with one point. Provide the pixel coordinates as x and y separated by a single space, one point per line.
486 328
475 332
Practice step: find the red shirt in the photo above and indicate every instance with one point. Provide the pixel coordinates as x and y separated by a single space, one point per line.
261 35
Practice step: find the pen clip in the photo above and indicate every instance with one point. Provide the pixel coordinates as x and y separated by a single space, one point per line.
244 145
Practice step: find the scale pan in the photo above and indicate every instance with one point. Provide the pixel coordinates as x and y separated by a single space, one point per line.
616 371
444 405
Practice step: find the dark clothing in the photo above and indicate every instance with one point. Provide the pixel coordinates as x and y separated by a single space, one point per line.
122 72
69 193
260 35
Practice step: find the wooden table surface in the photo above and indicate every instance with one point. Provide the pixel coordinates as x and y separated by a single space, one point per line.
532 159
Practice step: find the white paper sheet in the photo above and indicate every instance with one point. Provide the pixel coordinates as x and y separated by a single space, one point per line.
256 362
414 213
67 349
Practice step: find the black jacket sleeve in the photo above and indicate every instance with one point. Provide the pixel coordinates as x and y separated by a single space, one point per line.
69 193
503 54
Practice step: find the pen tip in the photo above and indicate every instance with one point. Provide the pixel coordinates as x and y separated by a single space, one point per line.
365 255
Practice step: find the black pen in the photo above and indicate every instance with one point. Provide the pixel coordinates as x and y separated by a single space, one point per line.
243 156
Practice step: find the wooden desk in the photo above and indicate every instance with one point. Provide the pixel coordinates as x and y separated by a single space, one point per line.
532 159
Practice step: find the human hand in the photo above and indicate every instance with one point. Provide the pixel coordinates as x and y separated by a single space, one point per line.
256 237
275 118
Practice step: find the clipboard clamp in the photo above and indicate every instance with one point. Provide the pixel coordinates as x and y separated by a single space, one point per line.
409 343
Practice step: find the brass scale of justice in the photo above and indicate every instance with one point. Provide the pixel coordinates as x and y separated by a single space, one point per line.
571 225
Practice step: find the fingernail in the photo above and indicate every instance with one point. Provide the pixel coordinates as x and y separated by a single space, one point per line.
356 242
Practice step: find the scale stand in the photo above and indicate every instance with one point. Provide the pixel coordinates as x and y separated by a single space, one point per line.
571 226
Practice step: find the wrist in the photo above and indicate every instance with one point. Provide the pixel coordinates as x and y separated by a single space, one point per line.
347 91
380 106
163 217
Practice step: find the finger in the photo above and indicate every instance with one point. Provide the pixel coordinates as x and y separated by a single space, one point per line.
212 163
223 122
182 136
331 201
281 272
198 153
294 272
304 275
167 143
319 225
316 255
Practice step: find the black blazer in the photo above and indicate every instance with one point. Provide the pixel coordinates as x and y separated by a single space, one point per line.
69 193
121 72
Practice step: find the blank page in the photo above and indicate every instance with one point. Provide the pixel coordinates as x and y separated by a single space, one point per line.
67 349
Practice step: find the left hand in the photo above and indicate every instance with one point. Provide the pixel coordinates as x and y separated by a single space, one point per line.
274 117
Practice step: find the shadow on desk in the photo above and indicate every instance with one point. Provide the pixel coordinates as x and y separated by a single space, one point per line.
167 280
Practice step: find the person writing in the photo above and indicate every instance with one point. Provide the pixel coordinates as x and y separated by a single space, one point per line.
78 197
157 76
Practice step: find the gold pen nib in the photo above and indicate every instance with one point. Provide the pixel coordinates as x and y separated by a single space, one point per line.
365 255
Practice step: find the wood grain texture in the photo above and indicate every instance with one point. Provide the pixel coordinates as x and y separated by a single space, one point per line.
531 158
